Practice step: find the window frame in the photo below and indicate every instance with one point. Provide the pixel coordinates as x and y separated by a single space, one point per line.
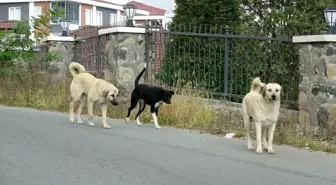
99 22
91 17
114 17
65 12
123 20
15 11
35 13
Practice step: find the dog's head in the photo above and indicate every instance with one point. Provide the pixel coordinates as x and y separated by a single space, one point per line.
166 95
271 91
111 94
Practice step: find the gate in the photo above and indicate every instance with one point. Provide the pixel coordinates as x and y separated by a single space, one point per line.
214 61
90 51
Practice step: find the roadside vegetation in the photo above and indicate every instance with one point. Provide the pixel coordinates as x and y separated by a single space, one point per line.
28 79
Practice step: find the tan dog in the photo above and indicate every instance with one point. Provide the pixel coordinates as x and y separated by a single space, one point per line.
262 104
85 87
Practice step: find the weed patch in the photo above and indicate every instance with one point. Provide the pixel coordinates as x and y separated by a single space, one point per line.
43 91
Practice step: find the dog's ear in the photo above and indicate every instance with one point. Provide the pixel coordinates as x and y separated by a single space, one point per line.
172 92
105 93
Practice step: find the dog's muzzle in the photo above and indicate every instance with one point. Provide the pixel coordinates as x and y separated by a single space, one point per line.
273 97
115 102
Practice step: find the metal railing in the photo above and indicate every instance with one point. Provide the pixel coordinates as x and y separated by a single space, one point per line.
221 62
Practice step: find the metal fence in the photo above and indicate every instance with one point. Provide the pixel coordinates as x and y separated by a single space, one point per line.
214 60
90 47
220 63
91 52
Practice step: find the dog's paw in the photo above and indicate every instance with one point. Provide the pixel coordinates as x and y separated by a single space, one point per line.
265 147
127 120
91 124
106 126
250 147
138 121
158 127
270 150
259 150
72 120
80 122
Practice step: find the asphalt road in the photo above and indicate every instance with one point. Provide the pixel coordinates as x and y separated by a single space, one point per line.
43 148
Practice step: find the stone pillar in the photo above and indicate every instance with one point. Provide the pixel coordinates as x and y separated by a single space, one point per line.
126 59
65 49
317 100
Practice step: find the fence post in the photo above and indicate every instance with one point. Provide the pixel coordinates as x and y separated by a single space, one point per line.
98 57
147 40
226 63
74 58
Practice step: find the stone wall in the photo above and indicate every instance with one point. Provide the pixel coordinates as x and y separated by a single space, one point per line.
65 50
232 113
126 59
317 100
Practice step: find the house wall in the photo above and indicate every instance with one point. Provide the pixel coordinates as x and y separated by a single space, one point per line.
83 7
4 10
45 12
106 14
140 22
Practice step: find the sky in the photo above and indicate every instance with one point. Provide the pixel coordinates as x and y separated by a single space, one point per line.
163 4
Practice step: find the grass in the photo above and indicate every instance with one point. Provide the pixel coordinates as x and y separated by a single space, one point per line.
52 93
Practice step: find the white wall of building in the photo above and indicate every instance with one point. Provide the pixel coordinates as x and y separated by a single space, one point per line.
123 1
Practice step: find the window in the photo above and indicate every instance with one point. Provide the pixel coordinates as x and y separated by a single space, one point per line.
38 11
155 22
14 13
113 19
58 6
123 20
99 18
88 17
70 10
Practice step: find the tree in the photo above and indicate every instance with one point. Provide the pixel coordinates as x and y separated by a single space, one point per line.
285 18
199 60
17 46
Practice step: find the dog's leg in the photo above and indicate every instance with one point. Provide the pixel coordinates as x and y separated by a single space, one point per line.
80 108
142 107
104 112
90 111
270 138
264 141
247 130
258 137
155 119
134 101
72 106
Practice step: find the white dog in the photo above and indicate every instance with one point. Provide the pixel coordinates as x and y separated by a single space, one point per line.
85 87
262 104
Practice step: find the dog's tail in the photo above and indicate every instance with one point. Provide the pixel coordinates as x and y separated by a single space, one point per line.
256 85
76 68
136 82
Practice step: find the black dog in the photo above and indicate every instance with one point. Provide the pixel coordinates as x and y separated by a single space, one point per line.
148 95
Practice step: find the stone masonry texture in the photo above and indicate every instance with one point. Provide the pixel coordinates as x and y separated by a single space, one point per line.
317 98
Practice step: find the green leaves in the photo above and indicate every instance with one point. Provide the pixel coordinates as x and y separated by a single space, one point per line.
17 47
199 60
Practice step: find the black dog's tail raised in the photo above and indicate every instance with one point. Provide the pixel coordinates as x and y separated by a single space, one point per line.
139 76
